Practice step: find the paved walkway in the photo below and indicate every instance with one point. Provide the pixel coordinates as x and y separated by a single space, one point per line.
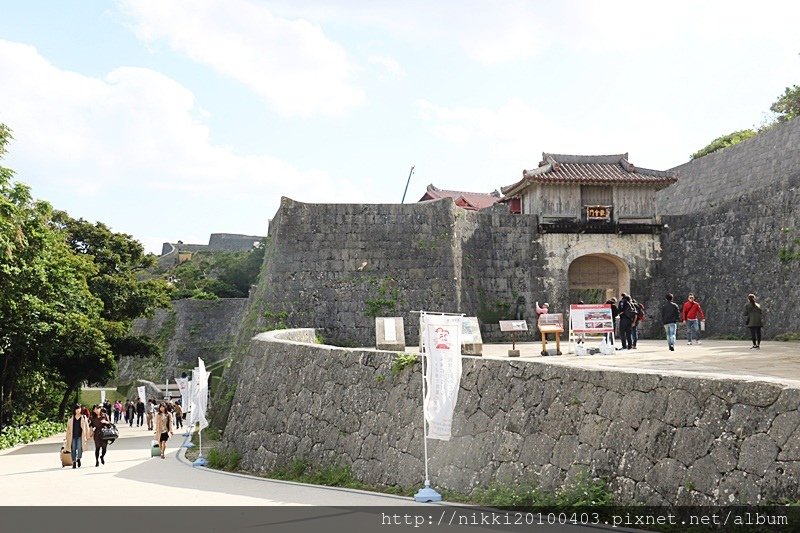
777 362
32 475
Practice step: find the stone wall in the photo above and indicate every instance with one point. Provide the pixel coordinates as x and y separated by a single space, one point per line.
191 329
659 439
335 267
729 218
756 164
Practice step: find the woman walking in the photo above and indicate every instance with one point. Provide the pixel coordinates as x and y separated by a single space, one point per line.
130 412
78 433
753 312
99 419
163 425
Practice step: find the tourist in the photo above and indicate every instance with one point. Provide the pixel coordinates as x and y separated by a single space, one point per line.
107 406
178 414
98 421
753 312
140 413
163 424
151 411
117 411
692 314
130 412
614 312
627 315
639 309
78 433
543 310
670 315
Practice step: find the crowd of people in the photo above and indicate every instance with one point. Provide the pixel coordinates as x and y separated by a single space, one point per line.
85 424
627 314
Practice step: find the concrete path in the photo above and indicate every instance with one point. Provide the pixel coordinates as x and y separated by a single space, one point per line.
32 475
776 362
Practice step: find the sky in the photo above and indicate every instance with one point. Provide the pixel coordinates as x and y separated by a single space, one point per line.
174 119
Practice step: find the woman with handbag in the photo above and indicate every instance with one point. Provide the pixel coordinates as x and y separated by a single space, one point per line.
98 421
163 424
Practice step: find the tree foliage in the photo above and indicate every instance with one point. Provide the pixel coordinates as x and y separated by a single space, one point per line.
786 107
210 275
68 294
723 142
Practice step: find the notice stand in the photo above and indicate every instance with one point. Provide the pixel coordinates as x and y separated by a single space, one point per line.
551 323
513 326
590 319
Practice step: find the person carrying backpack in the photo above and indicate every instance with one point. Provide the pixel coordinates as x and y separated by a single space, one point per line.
639 309
627 316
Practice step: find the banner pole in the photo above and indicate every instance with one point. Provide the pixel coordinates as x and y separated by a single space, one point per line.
426 493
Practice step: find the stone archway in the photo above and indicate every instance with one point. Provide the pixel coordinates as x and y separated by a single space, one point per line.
594 278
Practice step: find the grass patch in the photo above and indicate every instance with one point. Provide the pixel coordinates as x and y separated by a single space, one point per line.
330 476
223 459
92 397
403 360
788 337
14 436
583 492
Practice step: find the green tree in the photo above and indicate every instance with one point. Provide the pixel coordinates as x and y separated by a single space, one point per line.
220 274
723 142
787 106
119 281
42 289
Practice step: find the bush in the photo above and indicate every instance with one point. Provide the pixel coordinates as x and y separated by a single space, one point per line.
223 459
785 337
401 361
14 436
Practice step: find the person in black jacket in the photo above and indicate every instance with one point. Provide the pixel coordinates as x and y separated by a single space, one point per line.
670 316
140 413
627 314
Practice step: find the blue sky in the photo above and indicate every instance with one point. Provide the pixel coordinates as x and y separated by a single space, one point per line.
171 119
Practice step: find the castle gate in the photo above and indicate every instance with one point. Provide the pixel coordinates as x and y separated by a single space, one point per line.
594 278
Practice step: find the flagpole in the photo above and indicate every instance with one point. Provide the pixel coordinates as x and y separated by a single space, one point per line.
425 494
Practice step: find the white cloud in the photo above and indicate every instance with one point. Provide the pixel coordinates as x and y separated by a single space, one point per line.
135 129
392 67
290 63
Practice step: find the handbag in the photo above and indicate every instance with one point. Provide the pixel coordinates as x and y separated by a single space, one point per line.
109 432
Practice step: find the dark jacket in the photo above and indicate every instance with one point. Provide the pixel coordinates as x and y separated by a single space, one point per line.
753 314
626 310
140 408
670 313
96 423
614 309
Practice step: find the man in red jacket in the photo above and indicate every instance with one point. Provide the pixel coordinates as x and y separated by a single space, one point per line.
691 315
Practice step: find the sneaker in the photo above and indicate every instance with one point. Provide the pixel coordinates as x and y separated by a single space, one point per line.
753 347
671 348
74 465
758 347
689 343
698 342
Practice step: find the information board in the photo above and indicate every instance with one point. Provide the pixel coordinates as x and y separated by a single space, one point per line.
591 318
513 325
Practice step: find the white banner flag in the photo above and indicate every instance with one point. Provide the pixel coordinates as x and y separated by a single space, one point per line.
443 372
142 394
200 384
192 410
102 396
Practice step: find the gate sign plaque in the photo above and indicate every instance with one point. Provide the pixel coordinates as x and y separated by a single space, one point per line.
598 212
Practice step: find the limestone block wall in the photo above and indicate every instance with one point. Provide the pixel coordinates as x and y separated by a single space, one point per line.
755 164
659 439
191 329
337 266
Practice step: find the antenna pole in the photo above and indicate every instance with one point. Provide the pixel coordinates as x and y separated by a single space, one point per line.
407 182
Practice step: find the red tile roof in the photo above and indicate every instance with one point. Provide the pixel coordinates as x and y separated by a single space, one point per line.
592 170
473 201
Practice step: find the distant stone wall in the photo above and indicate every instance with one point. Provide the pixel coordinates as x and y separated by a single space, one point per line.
231 242
191 329
756 164
659 439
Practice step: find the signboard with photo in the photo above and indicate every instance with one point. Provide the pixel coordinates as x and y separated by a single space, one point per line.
591 318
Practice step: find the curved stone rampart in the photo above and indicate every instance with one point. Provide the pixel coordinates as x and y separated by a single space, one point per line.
658 439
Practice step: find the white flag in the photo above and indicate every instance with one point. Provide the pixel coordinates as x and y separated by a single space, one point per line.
443 373
102 396
142 394
183 386
192 387
201 394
